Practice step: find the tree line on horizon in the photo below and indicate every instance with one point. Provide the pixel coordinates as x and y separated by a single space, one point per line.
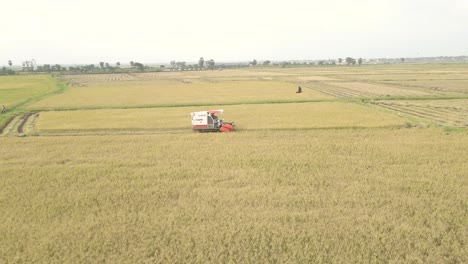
105 67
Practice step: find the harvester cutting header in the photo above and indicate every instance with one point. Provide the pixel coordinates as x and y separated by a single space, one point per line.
208 121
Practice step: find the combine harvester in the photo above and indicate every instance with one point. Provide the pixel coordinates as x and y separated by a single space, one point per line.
207 121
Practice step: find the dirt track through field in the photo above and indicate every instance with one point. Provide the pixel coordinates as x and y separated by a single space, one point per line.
6 124
15 125
25 119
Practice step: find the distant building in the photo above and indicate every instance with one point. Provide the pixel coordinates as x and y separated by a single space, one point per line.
29 66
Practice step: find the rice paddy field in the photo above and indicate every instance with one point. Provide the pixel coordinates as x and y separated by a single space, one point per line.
173 92
367 164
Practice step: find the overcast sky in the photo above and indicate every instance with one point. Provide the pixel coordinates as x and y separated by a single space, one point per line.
89 31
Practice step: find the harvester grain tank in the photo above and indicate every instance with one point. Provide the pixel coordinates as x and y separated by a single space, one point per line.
208 121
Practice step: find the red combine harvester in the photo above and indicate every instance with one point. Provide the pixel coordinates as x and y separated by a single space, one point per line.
208 121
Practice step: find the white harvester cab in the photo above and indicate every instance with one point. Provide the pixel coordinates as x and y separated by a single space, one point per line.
208 121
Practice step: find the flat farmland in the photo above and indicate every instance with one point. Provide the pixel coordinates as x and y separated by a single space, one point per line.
448 86
167 92
410 76
107 168
339 195
175 119
361 89
17 89
445 112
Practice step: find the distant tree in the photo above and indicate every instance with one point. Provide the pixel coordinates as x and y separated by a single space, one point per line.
101 64
107 65
10 63
173 63
402 60
267 62
359 61
210 64
253 63
321 63
47 68
340 60
350 60
132 64
56 67
117 64
139 66
283 64
201 62
180 64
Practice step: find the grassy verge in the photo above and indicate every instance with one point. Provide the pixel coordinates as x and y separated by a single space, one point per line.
17 108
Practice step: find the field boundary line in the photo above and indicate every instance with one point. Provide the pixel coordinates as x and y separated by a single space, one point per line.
354 99
112 132
187 105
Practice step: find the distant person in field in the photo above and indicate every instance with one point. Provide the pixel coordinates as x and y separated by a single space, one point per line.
3 108
299 90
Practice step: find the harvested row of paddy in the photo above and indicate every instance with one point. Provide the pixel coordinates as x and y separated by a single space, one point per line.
410 76
363 90
168 93
351 90
378 89
89 79
459 87
443 112
97 79
247 117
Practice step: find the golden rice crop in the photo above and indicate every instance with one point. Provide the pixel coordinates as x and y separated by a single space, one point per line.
248 117
362 188
373 195
173 92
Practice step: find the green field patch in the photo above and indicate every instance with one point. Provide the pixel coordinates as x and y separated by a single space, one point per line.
15 91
